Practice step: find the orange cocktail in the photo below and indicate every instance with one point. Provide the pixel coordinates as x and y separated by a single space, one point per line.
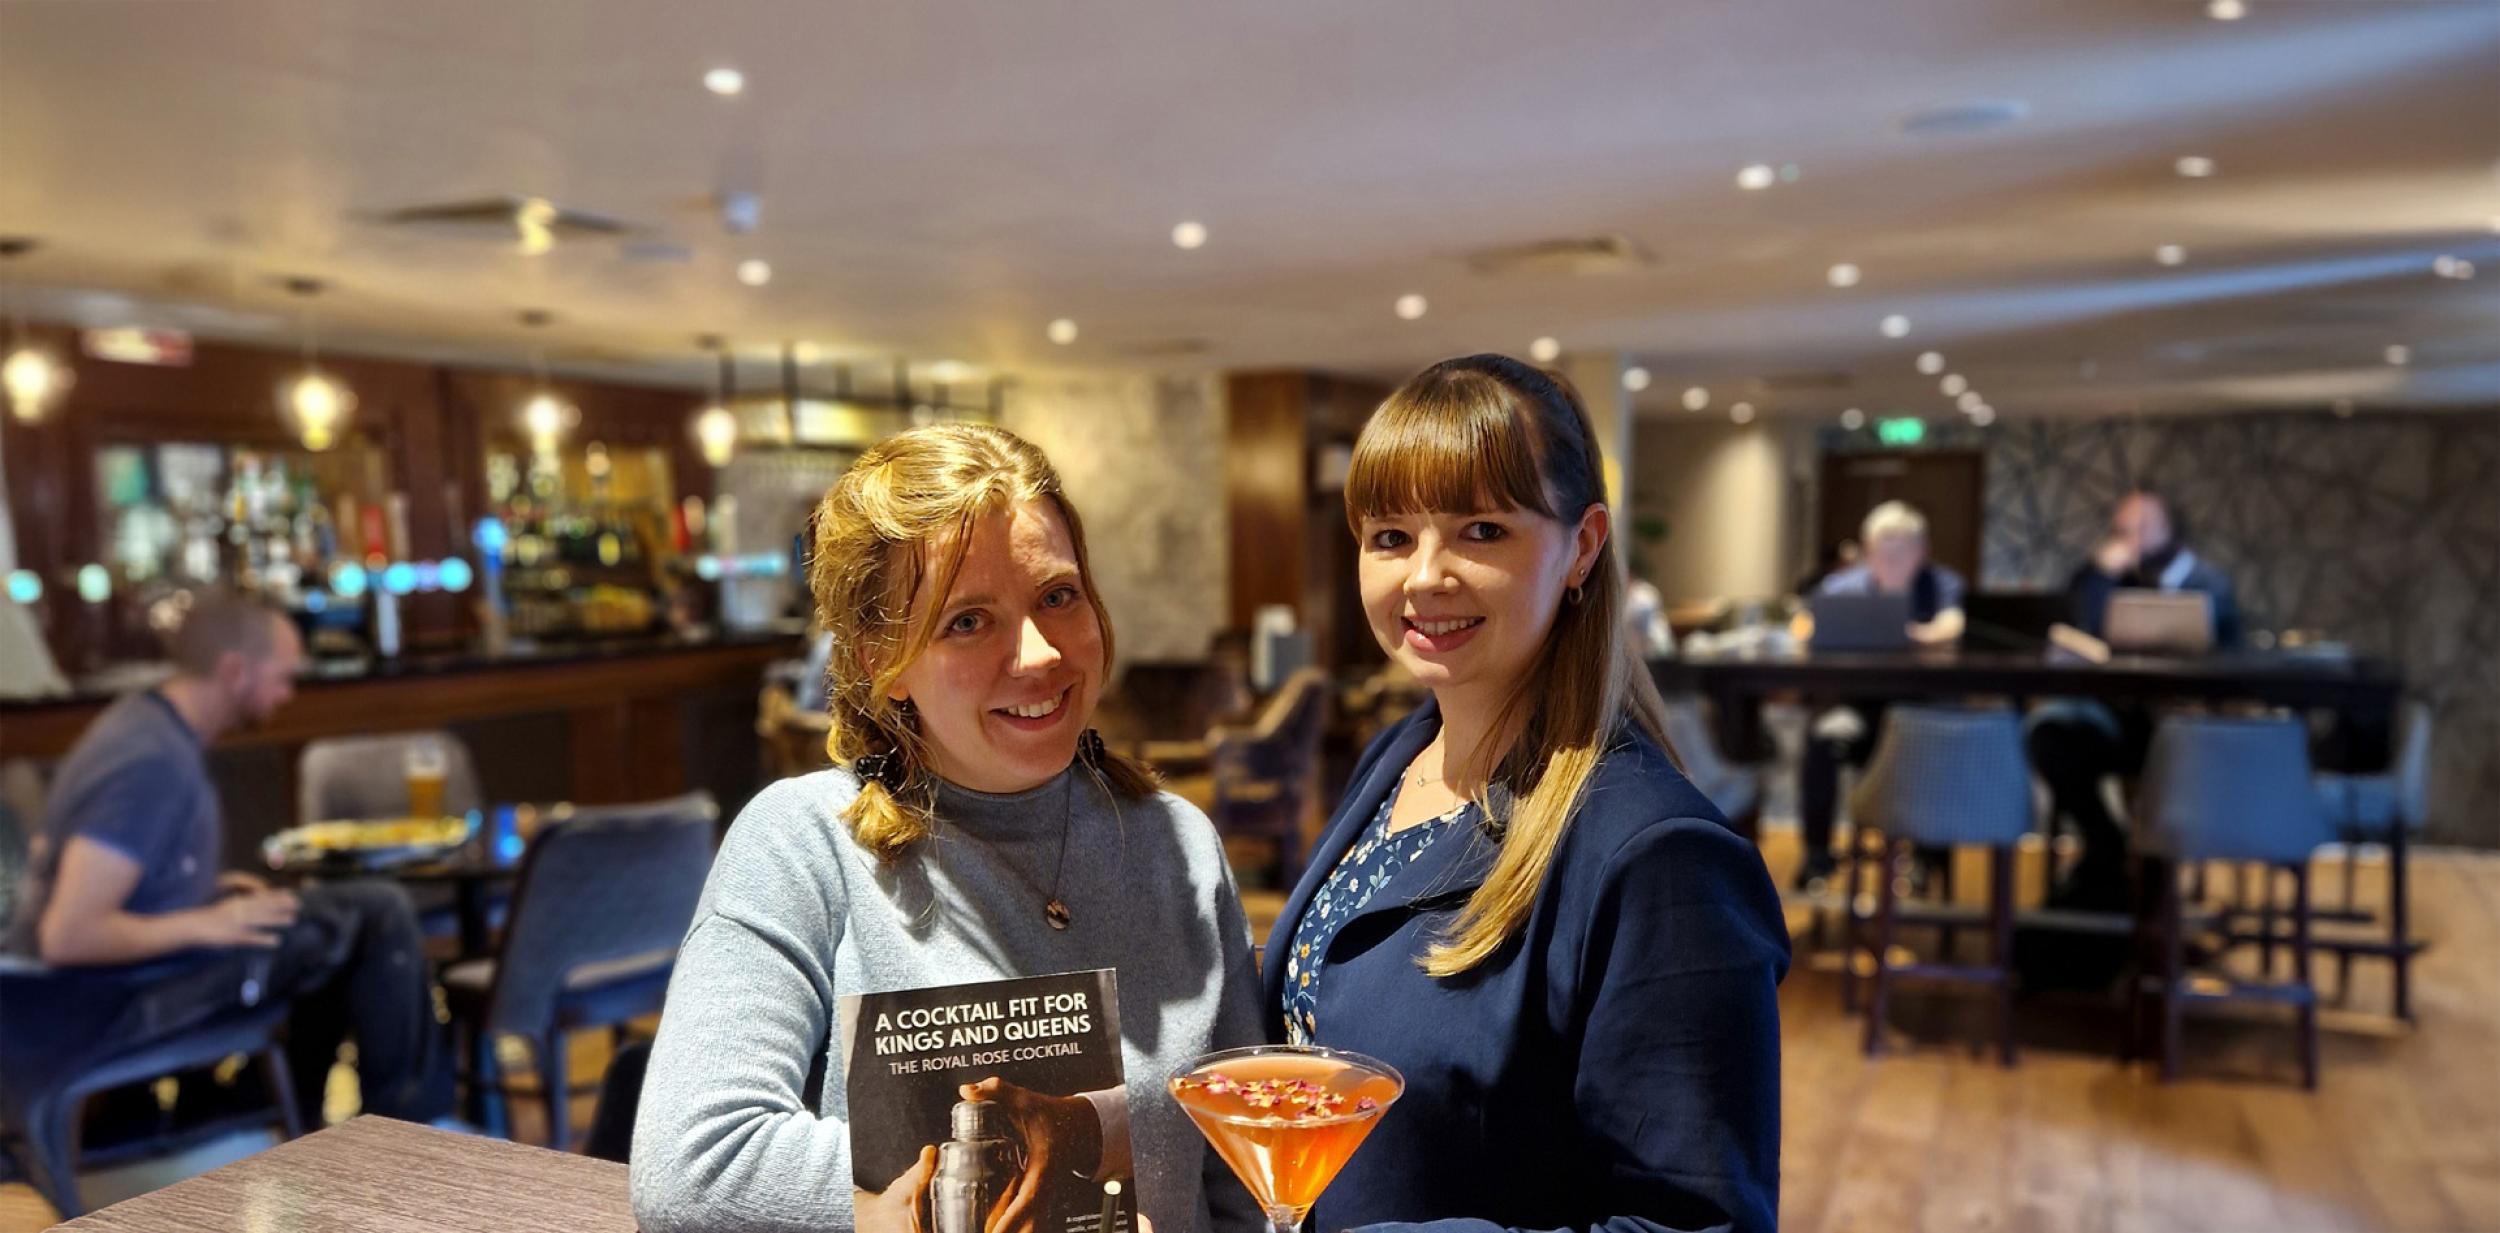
1286 1117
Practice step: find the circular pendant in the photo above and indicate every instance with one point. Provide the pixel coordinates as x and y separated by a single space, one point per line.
1057 913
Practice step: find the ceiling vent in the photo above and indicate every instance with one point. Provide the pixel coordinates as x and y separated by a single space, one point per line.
502 218
1573 257
1970 116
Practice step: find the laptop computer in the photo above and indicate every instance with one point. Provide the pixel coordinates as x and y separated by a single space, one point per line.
2168 622
1860 622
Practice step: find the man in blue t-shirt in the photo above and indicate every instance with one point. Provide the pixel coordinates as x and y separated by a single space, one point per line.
125 872
1895 563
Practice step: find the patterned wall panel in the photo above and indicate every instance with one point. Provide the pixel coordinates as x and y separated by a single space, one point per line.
2382 531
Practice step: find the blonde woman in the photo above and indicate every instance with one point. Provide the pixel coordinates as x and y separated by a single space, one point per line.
1521 902
975 831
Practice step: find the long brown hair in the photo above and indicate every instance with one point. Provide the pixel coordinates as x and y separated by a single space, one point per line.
1488 431
908 504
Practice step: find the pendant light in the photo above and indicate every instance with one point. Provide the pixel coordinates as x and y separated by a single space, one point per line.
716 426
544 415
317 403
33 378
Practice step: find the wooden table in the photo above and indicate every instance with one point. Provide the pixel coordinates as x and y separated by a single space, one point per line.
374 1175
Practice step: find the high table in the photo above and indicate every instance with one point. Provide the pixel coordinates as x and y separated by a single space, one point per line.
375 1175
2361 692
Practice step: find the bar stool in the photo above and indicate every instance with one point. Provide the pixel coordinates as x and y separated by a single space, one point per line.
2388 808
2232 789
1736 788
1941 777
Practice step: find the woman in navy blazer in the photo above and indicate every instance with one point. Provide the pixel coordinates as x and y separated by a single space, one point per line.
1522 904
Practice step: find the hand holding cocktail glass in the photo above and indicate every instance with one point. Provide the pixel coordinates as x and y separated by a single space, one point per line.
1286 1117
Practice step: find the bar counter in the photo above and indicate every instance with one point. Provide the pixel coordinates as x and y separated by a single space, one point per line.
592 722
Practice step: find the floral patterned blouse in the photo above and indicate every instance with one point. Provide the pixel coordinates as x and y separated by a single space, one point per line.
1368 868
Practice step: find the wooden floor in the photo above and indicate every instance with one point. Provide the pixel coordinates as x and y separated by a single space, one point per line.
2404 1134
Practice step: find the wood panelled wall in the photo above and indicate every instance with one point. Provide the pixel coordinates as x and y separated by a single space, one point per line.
432 425
1289 540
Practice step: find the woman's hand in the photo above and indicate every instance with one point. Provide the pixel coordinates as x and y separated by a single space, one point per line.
1061 1134
899 1208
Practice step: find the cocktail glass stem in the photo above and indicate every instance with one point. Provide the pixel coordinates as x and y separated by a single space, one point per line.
1282 1219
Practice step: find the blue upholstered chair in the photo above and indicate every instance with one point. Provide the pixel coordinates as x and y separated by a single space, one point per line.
2390 808
2233 789
605 897
1941 777
42 1094
1735 789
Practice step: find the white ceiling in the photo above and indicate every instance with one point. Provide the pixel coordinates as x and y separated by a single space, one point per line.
939 180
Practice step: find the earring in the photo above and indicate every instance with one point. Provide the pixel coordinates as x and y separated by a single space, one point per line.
1574 593
1089 749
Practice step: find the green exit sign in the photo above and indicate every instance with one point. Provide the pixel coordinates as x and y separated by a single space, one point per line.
1901 432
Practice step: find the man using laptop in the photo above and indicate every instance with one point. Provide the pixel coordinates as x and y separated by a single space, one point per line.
1895 564
125 873
2075 742
2146 549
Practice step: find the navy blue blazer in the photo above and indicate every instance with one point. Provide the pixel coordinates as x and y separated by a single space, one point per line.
1614 1067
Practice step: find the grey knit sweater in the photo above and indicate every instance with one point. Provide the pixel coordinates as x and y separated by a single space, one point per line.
796 916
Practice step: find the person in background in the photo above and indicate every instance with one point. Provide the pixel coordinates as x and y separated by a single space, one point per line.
1522 904
1895 563
2075 742
125 872
2146 548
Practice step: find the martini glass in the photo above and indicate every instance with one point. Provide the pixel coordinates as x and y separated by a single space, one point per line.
1286 1117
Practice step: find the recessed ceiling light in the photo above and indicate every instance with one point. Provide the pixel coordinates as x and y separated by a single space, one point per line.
725 81
1742 413
2170 254
1970 400
1931 362
1954 383
1545 350
1411 306
2227 10
1756 176
1696 398
948 372
1189 235
1636 379
2399 354
1062 331
1983 415
1895 326
1842 275
1853 419
2195 166
754 272
2454 267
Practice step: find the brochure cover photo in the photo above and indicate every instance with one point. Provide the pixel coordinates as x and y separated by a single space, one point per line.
994 1107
